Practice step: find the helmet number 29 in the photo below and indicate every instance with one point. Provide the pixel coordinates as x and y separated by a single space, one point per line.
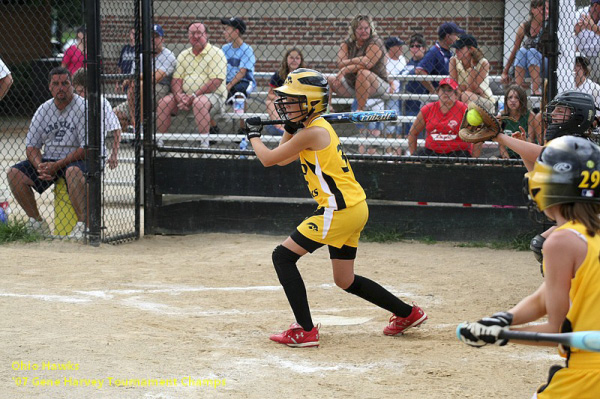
589 180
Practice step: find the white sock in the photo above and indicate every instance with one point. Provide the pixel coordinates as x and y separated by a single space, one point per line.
204 140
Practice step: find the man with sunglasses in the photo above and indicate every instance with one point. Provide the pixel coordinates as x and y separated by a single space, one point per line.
437 59
417 46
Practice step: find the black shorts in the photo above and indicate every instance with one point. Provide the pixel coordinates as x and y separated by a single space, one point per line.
40 185
240 87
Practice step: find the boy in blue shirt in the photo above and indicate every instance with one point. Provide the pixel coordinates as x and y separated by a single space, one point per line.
240 59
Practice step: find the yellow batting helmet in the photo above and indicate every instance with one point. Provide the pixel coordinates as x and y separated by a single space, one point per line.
305 87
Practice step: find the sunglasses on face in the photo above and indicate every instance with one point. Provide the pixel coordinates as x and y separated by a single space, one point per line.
415 46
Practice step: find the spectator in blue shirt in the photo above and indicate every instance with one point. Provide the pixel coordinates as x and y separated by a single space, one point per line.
240 60
437 59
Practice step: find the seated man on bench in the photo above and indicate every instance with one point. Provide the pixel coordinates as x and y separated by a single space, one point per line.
58 125
198 84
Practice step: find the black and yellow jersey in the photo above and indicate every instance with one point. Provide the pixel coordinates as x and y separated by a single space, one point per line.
328 174
584 310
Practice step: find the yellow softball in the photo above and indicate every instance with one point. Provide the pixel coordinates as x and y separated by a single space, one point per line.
474 118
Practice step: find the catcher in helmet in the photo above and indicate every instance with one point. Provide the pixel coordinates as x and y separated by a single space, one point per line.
341 214
570 113
565 185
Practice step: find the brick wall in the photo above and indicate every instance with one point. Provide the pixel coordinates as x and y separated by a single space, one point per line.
317 27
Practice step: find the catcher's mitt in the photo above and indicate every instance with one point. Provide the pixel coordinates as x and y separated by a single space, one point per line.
489 128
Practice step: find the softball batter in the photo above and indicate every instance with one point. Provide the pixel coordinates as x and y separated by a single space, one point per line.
341 214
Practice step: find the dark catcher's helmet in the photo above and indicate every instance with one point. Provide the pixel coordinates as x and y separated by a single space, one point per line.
567 170
578 123
305 87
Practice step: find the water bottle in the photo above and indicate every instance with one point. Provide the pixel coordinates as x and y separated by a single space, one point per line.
4 211
243 146
238 103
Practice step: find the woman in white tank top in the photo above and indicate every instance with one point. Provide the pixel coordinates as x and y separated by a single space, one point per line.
471 70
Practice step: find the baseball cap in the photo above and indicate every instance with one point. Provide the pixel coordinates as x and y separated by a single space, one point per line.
450 82
393 41
448 28
158 30
465 40
595 2
236 23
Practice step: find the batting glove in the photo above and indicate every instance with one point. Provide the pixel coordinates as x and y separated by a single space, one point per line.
487 330
292 127
468 336
253 127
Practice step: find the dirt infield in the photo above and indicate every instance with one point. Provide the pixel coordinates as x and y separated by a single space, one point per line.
189 317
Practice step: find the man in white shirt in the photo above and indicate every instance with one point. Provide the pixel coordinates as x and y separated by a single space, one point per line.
58 126
164 65
6 79
585 85
587 37
395 64
110 125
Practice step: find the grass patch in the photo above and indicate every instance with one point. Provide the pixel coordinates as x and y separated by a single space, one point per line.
393 235
427 240
16 231
520 243
382 236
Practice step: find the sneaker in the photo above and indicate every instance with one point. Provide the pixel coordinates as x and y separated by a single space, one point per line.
398 325
204 141
78 231
296 337
39 227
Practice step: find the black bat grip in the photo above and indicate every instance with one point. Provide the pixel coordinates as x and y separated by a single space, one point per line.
272 122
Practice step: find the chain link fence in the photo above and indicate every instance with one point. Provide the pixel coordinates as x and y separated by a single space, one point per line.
403 50
215 64
45 126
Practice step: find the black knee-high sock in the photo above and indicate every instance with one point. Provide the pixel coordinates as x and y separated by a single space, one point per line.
284 261
376 294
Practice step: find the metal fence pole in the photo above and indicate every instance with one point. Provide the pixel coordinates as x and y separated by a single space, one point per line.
148 117
552 50
94 200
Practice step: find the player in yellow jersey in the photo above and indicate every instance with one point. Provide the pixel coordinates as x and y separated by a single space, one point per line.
341 214
565 185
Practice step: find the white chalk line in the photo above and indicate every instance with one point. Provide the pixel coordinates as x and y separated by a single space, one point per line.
136 298
139 297
47 298
299 365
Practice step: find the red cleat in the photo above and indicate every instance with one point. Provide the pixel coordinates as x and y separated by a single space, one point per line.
398 325
297 337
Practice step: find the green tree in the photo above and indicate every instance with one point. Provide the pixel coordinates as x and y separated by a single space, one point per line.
66 14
